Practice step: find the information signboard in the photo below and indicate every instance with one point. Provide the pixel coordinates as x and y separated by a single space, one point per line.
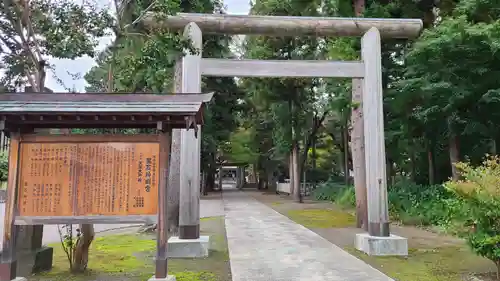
86 179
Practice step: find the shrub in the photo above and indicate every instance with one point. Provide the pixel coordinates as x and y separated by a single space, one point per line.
409 202
346 197
328 190
480 192
335 191
4 165
422 204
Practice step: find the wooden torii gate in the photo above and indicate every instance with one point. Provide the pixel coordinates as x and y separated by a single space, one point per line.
367 81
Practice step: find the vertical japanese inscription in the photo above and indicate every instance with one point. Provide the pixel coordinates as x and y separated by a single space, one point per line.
45 174
67 179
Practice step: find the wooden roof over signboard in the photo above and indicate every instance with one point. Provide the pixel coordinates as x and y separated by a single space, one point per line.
100 110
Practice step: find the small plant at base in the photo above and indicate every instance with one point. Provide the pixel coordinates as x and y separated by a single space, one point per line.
69 241
480 191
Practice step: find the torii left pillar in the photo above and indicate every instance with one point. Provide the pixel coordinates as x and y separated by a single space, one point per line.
189 243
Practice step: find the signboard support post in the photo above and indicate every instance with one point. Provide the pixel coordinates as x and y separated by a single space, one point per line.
165 140
8 260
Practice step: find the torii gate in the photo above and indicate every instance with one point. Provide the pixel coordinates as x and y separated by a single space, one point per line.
367 80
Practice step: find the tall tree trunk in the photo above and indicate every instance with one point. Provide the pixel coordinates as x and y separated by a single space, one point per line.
345 152
430 162
342 165
253 174
272 182
265 178
313 160
210 183
270 176
358 155
221 172
413 164
390 173
81 251
343 146
308 140
413 156
291 173
454 156
293 186
296 173
260 182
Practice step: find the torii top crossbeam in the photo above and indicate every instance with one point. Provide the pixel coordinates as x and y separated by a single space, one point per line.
289 26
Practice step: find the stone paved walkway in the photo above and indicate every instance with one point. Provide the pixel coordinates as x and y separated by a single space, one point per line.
267 246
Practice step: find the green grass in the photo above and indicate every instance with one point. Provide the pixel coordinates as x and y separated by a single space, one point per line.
109 255
439 264
425 262
130 257
209 218
322 218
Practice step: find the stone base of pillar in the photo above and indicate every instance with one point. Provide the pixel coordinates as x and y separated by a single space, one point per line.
188 248
381 246
168 278
20 279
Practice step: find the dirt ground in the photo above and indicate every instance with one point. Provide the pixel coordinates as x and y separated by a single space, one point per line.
130 257
432 256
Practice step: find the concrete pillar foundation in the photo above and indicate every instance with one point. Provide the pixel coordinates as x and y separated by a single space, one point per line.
188 248
168 278
381 246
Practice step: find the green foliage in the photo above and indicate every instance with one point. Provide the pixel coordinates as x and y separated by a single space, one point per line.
240 147
408 202
4 165
480 191
281 111
60 29
142 60
422 204
139 60
151 68
329 190
347 197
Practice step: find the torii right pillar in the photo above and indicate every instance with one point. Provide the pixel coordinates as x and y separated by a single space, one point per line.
378 241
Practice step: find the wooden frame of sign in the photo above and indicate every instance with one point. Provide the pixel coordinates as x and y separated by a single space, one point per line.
74 179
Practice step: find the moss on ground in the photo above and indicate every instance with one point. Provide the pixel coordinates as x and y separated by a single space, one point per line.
130 257
209 218
439 264
322 218
426 262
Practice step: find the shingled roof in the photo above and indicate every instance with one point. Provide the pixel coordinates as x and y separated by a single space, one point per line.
100 110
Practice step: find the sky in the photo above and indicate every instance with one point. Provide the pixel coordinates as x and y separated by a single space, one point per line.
67 70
